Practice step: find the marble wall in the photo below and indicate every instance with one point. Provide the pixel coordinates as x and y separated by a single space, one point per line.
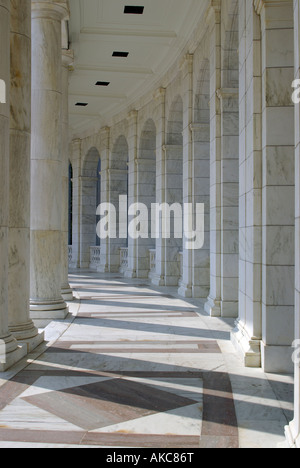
293 430
223 135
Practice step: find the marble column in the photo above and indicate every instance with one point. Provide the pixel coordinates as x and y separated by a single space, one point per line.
278 185
146 194
229 201
67 59
20 323
248 331
213 304
46 161
105 142
158 276
173 195
10 352
132 187
186 282
293 430
76 205
200 259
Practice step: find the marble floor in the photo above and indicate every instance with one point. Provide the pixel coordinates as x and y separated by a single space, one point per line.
137 366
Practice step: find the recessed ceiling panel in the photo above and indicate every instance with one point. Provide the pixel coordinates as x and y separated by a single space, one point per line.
153 41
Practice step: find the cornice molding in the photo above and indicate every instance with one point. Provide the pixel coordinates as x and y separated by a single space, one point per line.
260 4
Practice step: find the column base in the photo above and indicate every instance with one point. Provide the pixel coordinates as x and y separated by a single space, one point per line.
28 335
213 307
102 269
53 310
277 359
67 293
200 292
185 290
171 281
229 309
130 274
249 349
10 352
158 280
293 441
142 274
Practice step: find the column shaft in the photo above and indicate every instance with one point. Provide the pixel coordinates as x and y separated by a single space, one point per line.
65 289
46 161
213 305
9 350
20 322
248 332
278 191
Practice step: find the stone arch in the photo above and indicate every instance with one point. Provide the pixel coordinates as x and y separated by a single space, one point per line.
119 155
230 55
175 122
202 96
174 190
89 205
118 186
146 192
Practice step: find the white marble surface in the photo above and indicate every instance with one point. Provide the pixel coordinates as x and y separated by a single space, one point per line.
262 402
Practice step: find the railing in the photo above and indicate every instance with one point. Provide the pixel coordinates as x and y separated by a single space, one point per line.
152 253
123 259
95 255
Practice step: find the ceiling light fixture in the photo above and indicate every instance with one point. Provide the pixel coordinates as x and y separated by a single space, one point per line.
120 54
102 83
133 10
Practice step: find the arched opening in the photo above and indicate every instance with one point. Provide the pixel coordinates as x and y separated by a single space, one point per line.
146 194
91 178
174 192
118 183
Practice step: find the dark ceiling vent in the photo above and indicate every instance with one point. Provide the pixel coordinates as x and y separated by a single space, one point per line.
102 83
134 10
81 104
120 54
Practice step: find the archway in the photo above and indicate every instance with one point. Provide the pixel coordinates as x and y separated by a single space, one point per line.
118 186
89 203
146 194
174 191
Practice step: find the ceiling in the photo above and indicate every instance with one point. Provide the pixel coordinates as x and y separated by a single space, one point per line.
153 40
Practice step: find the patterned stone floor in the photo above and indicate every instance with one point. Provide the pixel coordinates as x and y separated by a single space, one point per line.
135 366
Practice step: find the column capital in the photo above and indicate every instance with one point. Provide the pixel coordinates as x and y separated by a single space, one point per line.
159 94
57 10
133 115
260 4
227 93
188 61
213 12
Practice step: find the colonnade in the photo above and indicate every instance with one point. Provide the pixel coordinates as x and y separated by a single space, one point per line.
34 155
222 131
